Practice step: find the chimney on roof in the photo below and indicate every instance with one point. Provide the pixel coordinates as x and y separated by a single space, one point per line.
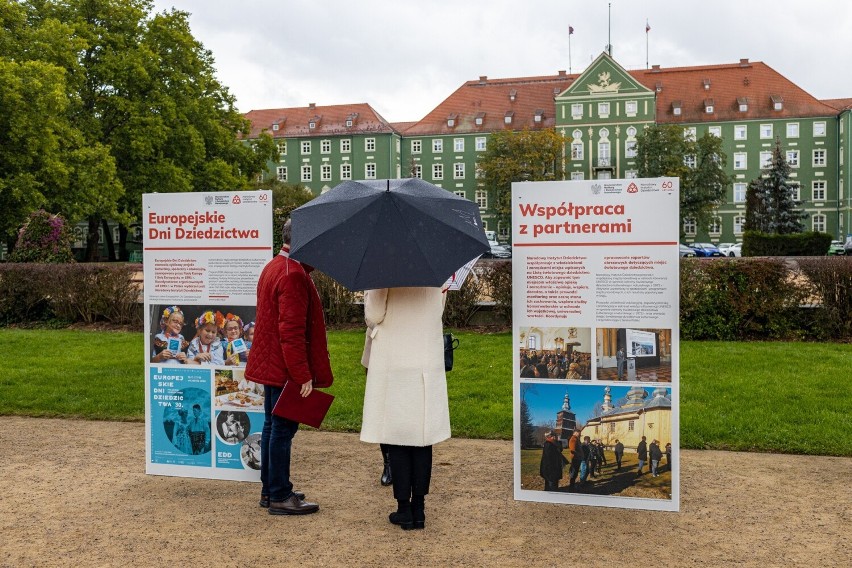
312 105
655 68
744 62
562 72
483 79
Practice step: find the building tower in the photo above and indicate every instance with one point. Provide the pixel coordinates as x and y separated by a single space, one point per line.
566 421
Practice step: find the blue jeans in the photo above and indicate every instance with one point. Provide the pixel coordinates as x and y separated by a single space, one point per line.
641 465
275 442
654 464
584 470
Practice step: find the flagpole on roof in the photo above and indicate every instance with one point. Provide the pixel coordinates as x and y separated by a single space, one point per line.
647 29
570 33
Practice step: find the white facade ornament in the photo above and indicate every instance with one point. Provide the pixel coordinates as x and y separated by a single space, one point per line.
604 85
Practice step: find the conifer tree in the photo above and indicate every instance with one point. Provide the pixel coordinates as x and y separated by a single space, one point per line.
770 207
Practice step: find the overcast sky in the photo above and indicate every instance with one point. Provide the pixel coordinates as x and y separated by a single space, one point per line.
404 57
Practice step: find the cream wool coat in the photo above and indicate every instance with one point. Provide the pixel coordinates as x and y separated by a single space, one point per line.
405 402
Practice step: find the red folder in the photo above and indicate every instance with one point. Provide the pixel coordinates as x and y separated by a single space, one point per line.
308 410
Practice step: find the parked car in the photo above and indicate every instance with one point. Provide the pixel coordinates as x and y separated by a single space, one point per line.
848 246
498 250
730 249
705 249
686 252
836 248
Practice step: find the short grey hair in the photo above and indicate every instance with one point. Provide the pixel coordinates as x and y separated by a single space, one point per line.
286 232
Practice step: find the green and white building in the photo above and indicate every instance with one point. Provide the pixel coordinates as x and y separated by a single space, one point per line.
601 110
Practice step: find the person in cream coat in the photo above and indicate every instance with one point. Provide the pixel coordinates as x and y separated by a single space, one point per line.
405 401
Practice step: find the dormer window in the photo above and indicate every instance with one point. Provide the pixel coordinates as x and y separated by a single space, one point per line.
513 94
706 84
777 102
275 127
350 120
659 87
451 120
708 106
312 125
676 108
743 104
507 118
479 119
539 116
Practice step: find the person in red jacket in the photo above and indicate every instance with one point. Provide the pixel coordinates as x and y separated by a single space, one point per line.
289 345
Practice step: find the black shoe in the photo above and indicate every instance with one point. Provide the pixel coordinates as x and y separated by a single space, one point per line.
418 513
264 499
402 517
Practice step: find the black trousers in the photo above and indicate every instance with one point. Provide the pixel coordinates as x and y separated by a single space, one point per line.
412 470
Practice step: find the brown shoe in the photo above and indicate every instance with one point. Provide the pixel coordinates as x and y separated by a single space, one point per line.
292 506
264 499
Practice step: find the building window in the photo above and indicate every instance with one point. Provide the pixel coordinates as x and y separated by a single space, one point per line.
306 147
742 103
792 130
325 172
631 131
765 160
437 145
577 150
739 192
689 226
793 158
819 190
689 161
275 127
480 143
715 226
765 131
630 149
458 144
458 170
416 146
818 223
819 158
689 134
345 146
603 110
345 171
325 146
437 171
795 191
715 131
306 173
738 225
503 230
577 175
630 107
740 132
282 147
369 144
482 198
740 161
460 193
281 173
612 427
819 128
577 111
370 171
604 155
630 425
418 171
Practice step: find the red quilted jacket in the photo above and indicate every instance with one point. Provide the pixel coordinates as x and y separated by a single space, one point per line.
289 334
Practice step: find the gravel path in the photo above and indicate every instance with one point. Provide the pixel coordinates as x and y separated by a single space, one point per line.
75 494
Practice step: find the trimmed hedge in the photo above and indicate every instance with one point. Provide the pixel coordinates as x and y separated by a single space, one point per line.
69 293
799 244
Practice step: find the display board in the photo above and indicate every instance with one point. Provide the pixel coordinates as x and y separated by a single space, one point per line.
203 254
596 342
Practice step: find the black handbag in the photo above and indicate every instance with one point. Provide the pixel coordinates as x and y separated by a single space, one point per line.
450 345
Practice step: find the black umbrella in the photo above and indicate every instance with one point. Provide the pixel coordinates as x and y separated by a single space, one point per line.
387 233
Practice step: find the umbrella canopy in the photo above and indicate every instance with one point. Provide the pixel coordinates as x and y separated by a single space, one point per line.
387 233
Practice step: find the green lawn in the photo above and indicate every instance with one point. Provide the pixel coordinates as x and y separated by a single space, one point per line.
774 397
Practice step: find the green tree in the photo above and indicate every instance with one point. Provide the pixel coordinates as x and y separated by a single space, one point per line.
527 428
664 150
770 207
285 198
143 104
526 155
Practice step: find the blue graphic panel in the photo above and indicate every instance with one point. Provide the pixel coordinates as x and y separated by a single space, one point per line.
181 430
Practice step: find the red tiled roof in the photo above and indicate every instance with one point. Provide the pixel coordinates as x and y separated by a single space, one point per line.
330 120
401 127
839 104
490 99
756 82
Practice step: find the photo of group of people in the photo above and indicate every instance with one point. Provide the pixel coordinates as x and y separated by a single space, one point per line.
556 353
201 335
596 440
